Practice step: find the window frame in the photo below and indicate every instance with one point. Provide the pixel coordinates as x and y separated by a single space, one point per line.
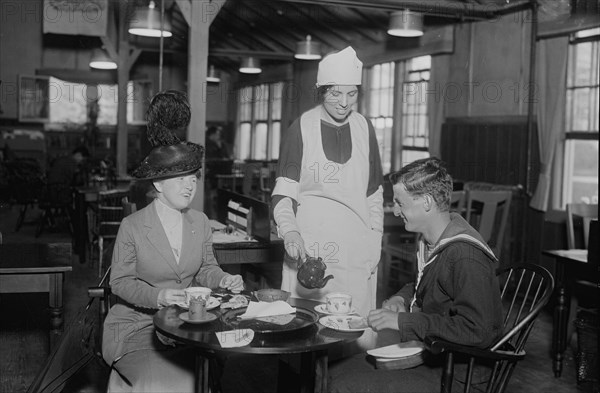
253 121
570 134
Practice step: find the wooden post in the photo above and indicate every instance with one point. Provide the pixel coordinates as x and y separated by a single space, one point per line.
199 15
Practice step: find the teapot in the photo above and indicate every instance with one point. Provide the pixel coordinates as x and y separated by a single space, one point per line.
311 273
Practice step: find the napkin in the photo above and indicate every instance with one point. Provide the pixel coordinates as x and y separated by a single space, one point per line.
235 338
266 309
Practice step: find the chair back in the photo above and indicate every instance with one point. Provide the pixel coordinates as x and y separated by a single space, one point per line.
128 207
110 212
487 212
458 199
579 216
525 290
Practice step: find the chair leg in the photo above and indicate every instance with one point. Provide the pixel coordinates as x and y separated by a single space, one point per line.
21 217
469 375
448 373
100 255
41 223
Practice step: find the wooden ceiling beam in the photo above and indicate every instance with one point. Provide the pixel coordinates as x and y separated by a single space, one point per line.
254 53
447 8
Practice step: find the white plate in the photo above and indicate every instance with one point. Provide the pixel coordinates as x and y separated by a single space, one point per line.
213 303
322 308
396 351
342 322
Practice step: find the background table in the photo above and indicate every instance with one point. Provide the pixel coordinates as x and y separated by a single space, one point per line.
36 267
571 265
311 343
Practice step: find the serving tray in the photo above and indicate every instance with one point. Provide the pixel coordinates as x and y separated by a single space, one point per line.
303 318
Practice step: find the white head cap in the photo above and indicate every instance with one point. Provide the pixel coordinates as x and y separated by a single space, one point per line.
340 68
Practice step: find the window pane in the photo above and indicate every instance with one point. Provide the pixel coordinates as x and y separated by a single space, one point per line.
581 171
68 102
108 102
275 140
409 156
243 145
260 142
276 102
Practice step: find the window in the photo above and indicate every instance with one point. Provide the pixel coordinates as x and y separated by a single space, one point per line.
411 76
259 121
59 102
580 175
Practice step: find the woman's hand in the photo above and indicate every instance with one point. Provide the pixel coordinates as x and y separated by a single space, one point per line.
395 303
381 319
233 283
294 245
170 296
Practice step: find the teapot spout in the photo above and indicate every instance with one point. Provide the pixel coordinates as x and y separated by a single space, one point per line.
324 281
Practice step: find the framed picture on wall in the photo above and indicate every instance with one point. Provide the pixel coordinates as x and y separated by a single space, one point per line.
34 98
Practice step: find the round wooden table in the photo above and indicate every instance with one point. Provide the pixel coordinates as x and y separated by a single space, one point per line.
312 343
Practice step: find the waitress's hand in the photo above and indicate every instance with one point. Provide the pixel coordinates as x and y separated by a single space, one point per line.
381 319
232 283
294 245
170 296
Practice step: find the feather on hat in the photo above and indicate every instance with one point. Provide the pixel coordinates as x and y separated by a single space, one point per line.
169 111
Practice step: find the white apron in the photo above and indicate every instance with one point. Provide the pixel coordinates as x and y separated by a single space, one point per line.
333 216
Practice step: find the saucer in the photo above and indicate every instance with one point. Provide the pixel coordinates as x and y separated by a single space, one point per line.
342 322
213 303
185 318
322 309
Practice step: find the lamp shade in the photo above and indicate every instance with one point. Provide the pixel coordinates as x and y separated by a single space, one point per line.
101 61
250 65
308 50
406 24
146 22
213 75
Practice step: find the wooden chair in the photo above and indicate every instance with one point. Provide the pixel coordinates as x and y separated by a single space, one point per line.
105 222
487 212
579 216
525 290
128 207
458 200
56 200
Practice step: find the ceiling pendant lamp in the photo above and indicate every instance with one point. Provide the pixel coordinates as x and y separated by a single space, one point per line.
213 75
101 61
406 23
250 65
146 22
308 49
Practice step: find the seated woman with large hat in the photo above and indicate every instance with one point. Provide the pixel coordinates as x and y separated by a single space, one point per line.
160 250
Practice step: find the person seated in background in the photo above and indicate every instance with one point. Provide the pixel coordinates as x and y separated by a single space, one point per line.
69 170
456 296
159 251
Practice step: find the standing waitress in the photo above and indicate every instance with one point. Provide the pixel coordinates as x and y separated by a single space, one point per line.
328 197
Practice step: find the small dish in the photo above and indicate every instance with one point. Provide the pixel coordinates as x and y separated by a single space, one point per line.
213 303
322 309
342 322
186 318
395 351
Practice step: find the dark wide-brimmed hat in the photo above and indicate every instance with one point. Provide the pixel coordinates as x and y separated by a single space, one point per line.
168 114
170 161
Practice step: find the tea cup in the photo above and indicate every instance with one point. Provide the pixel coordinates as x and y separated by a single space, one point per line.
197 292
338 303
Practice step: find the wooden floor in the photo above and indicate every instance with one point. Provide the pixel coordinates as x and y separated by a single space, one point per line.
24 339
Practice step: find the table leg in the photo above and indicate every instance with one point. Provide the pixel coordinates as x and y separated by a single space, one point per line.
561 313
313 372
56 304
